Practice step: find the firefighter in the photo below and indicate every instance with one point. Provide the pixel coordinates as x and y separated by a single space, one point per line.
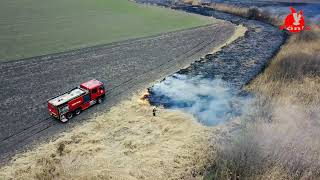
154 110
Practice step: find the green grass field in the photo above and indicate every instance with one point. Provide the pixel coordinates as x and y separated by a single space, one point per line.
37 27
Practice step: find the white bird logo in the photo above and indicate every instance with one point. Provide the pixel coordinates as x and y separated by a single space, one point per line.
296 16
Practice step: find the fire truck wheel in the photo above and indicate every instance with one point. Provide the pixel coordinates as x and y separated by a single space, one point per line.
69 115
77 111
99 100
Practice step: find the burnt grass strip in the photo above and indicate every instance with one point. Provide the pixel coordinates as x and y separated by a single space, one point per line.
238 63
243 60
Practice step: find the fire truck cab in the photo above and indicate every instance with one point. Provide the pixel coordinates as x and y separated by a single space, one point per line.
73 102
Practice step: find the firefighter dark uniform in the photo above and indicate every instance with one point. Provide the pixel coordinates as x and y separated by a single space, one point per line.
154 111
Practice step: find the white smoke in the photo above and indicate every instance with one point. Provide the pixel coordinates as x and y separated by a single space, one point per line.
211 101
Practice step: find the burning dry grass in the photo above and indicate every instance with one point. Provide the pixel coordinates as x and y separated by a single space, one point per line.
279 139
125 143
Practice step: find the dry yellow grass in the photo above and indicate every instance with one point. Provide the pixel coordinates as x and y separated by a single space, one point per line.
125 143
240 11
279 139
250 13
293 75
229 9
192 2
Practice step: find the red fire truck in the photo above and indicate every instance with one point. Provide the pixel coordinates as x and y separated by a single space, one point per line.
65 106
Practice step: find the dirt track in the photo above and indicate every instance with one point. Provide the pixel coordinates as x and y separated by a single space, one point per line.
128 66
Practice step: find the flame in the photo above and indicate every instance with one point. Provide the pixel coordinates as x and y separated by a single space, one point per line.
144 100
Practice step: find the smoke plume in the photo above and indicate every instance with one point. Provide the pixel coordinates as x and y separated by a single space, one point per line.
211 101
